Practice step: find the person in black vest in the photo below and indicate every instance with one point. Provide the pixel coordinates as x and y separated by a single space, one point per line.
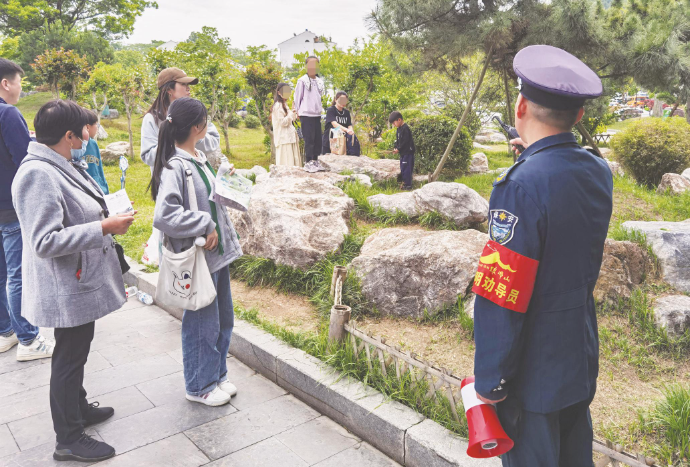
337 116
404 146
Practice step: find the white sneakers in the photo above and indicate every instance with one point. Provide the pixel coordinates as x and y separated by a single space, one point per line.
39 348
213 398
228 388
7 342
219 396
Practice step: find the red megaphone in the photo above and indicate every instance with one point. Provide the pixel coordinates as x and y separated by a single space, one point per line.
486 435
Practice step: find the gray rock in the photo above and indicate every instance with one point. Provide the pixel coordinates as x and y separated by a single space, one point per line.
479 163
294 221
686 174
102 134
670 242
615 167
469 305
453 200
480 146
361 178
625 266
673 314
605 152
284 171
215 158
405 272
674 184
404 202
113 151
113 114
490 136
377 169
262 178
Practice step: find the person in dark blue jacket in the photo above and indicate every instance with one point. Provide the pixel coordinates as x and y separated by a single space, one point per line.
404 146
537 347
92 154
14 143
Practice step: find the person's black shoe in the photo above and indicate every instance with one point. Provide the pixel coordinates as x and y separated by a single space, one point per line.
97 414
85 449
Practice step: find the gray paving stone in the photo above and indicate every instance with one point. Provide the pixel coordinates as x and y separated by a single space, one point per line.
158 423
139 347
164 390
94 363
131 304
317 440
23 380
40 456
129 374
33 431
177 355
153 327
428 444
9 363
269 452
24 404
255 390
238 370
363 454
175 451
229 434
7 444
126 402
359 408
107 339
257 349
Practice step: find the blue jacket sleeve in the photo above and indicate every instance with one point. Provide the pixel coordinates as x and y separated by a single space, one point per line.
15 134
516 230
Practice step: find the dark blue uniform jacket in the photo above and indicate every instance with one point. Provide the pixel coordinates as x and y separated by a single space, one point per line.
550 214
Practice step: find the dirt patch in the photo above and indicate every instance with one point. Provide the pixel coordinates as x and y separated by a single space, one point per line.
628 207
290 311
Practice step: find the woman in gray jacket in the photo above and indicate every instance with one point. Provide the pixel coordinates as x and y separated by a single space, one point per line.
205 332
71 272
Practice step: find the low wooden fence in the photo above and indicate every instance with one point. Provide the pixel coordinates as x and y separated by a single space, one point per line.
440 380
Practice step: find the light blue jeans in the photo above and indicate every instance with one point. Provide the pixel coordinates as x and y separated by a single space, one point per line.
11 319
206 339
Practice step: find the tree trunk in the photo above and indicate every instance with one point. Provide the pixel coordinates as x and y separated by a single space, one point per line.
673 110
451 143
95 106
273 148
509 110
687 110
658 108
128 111
226 126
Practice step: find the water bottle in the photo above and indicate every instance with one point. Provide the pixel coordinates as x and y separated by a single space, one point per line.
131 291
145 298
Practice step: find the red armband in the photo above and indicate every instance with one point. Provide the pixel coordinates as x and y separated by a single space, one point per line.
505 277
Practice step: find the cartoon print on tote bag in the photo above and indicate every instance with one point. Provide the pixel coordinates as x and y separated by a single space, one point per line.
183 285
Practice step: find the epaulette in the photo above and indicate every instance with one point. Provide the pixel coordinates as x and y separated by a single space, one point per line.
504 175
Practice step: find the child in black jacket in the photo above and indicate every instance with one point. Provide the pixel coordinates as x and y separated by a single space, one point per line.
404 145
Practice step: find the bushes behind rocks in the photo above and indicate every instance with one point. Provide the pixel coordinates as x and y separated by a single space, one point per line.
431 136
250 121
651 147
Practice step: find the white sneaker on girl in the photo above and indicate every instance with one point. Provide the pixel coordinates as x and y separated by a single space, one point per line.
214 398
228 387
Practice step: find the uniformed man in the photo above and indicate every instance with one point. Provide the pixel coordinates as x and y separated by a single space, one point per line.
537 347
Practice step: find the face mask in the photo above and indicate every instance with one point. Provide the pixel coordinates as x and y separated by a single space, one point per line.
79 154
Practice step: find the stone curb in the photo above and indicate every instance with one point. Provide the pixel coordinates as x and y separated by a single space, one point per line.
395 429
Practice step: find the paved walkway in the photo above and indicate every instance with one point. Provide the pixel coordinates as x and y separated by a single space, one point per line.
135 366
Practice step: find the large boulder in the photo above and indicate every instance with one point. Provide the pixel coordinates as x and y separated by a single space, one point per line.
686 174
479 163
284 171
403 202
113 114
113 151
102 134
407 272
490 136
378 169
294 221
215 158
673 314
605 152
670 242
453 200
625 266
481 146
674 184
615 167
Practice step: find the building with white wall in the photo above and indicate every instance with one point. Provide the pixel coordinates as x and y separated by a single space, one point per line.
300 43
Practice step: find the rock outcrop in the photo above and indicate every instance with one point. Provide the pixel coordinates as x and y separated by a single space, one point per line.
256 170
113 151
378 169
410 272
615 167
294 221
673 184
479 163
403 202
673 314
490 136
625 266
670 242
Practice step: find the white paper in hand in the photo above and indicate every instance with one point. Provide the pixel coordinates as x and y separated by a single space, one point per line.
118 203
232 191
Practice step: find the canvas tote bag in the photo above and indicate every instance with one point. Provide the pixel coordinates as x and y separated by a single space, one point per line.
338 143
184 280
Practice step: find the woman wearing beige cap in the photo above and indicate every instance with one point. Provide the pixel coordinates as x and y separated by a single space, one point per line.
173 83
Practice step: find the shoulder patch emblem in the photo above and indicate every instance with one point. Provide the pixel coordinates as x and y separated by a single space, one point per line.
504 175
502 225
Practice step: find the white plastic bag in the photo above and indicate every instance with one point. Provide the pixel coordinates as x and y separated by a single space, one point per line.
151 249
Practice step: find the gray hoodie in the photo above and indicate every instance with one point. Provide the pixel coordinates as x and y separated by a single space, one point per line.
149 139
173 217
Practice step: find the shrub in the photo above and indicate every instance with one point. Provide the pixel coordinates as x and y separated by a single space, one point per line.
234 121
388 138
431 136
251 121
651 147
473 123
267 143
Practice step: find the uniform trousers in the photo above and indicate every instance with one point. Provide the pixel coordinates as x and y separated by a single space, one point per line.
557 439
67 394
311 131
